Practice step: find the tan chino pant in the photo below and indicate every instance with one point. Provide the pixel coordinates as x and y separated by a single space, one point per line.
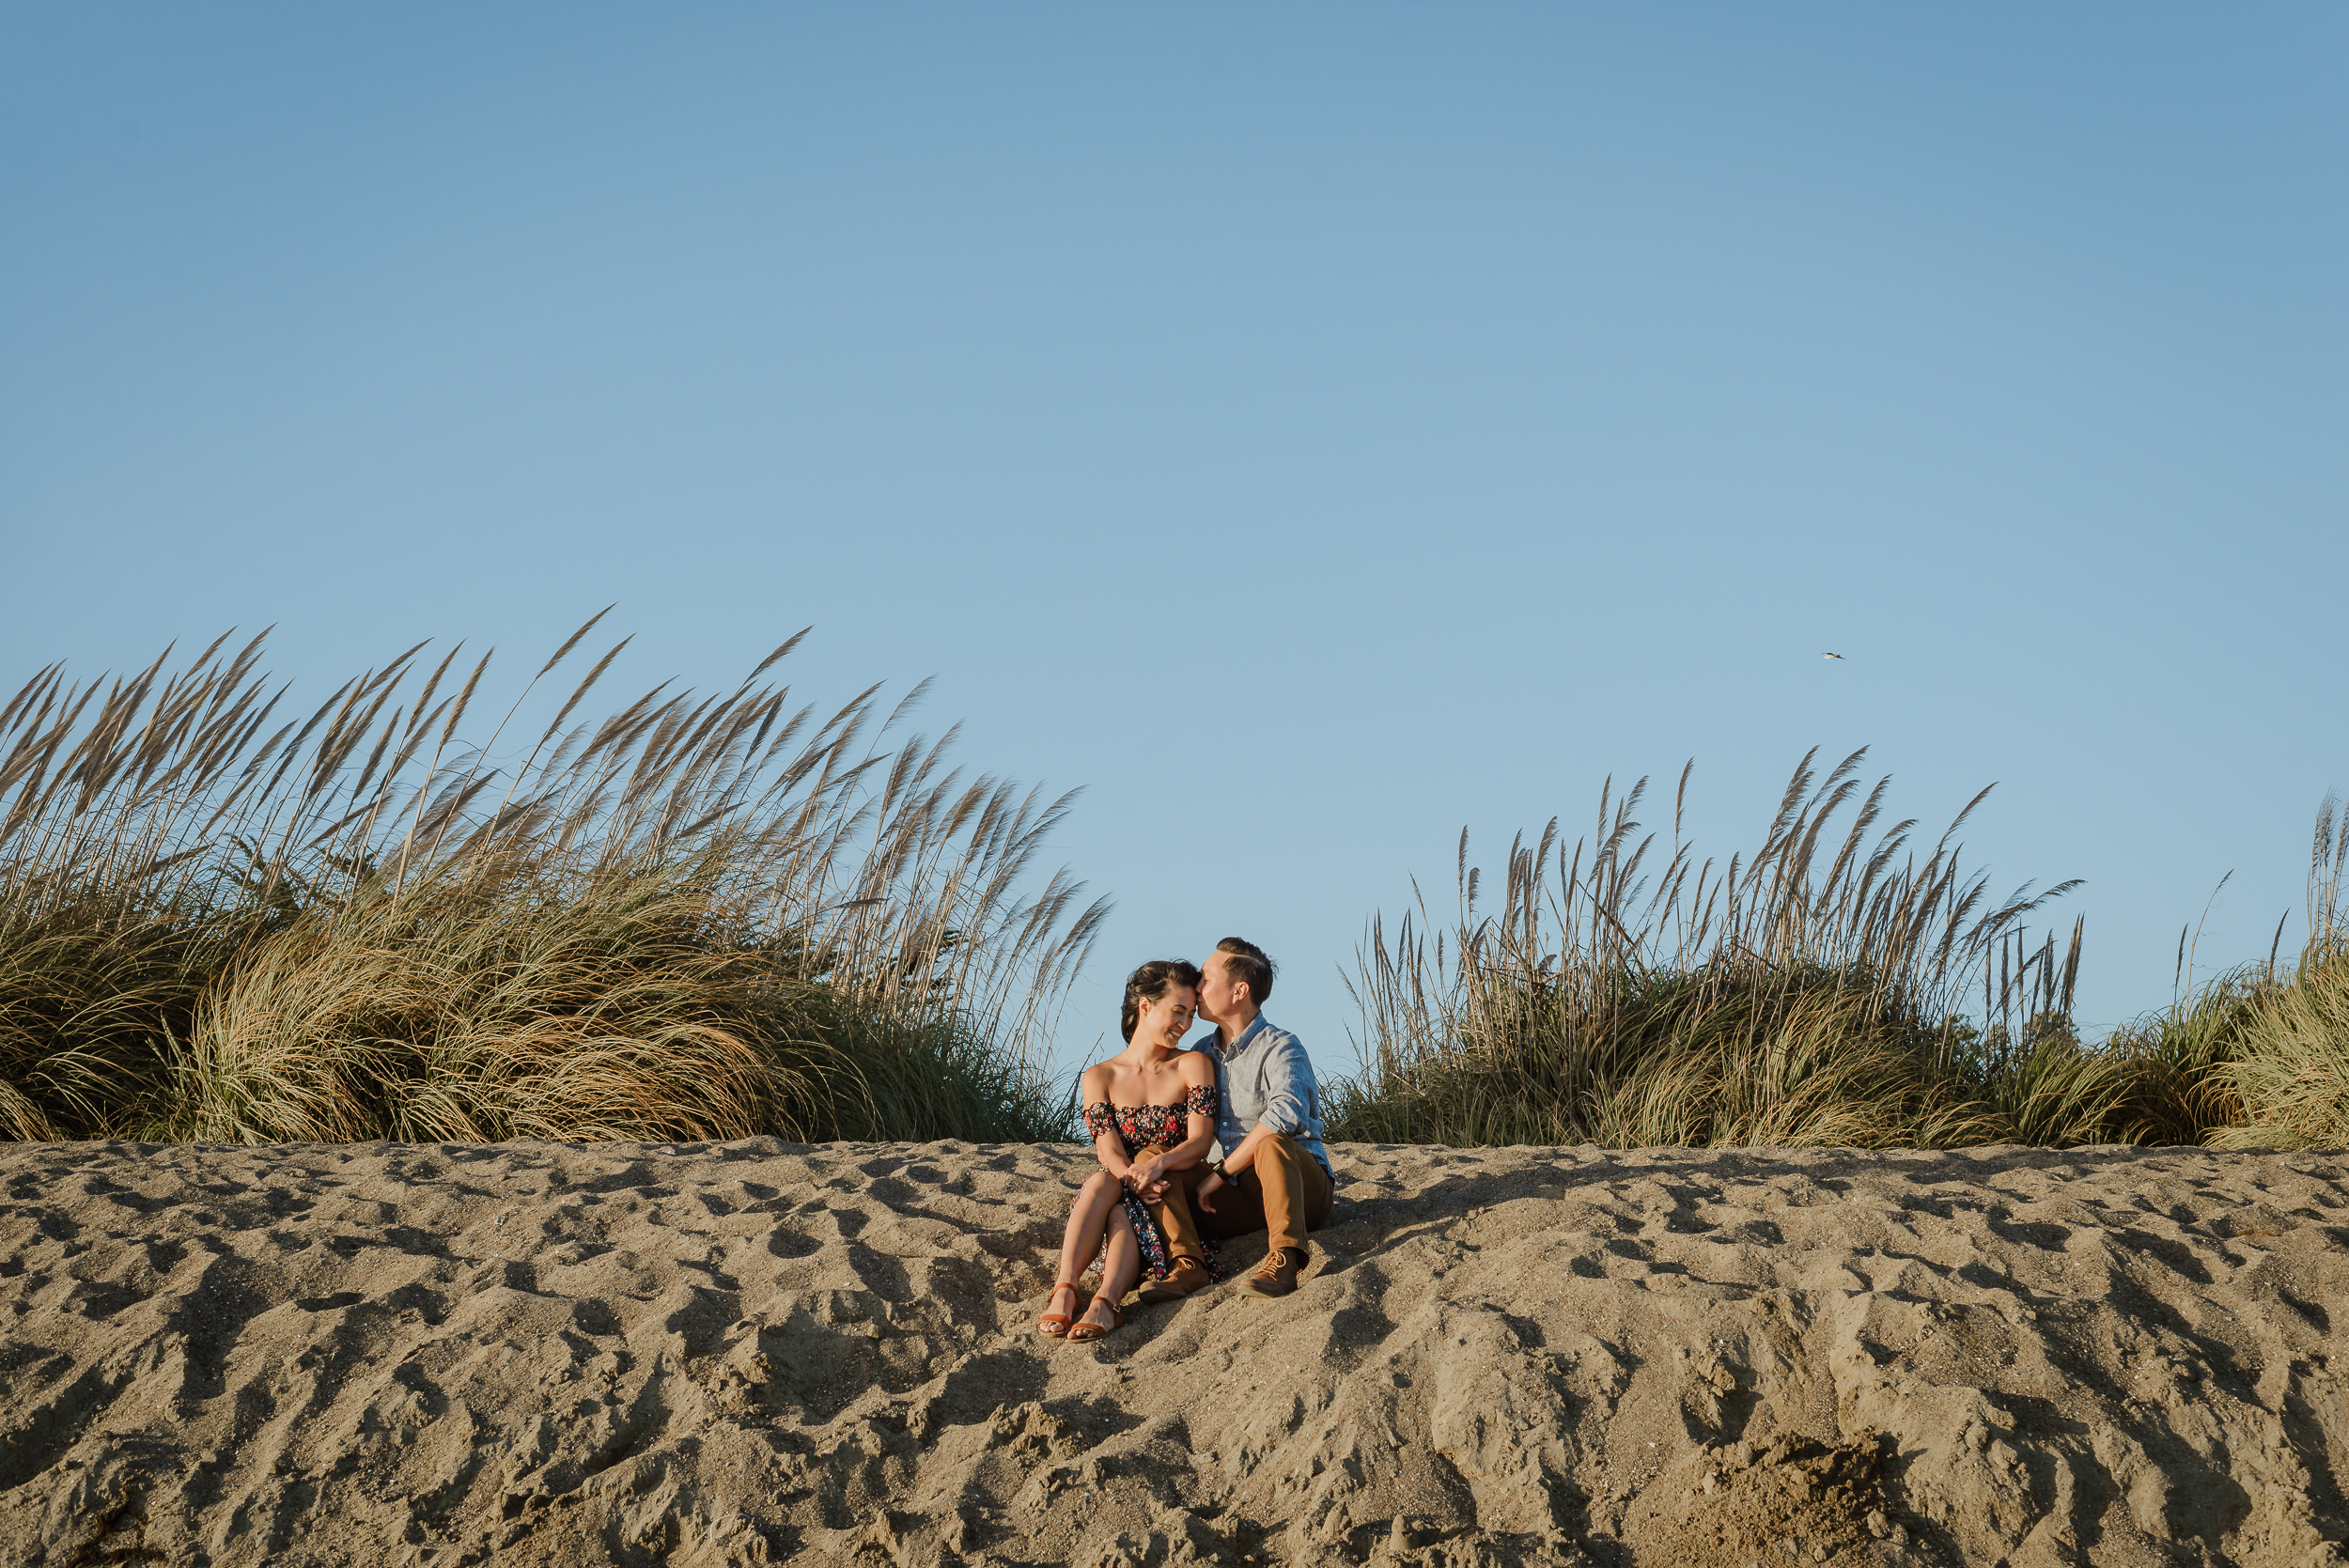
1285 1193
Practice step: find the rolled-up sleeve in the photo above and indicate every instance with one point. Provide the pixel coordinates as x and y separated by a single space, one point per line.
1291 1097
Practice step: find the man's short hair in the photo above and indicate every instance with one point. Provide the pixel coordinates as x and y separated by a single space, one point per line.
1249 967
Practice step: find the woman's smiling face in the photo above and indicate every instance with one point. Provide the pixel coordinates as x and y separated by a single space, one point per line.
1165 1021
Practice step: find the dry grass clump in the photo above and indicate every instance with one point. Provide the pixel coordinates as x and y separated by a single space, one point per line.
687 918
2255 1057
1817 995
1807 996
2289 1064
2167 1071
504 1005
2290 1067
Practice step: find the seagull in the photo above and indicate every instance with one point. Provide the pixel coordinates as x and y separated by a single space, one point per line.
1830 656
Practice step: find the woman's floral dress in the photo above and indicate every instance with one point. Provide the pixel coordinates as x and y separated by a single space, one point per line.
1137 1127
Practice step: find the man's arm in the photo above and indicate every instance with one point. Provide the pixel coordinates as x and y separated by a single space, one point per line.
1288 1076
1234 1163
1242 1157
1288 1080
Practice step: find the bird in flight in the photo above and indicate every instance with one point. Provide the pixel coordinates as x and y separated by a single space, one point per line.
1830 656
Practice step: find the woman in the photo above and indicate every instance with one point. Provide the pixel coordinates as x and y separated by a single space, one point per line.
1151 1111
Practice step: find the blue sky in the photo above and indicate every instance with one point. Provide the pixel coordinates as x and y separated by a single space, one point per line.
1309 428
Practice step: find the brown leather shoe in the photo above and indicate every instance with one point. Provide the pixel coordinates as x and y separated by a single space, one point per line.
1188 1278
1277 1274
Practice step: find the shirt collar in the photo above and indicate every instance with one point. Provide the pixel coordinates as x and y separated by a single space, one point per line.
1255 1026
1213 1039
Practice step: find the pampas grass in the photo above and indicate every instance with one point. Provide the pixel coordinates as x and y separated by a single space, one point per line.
1824 992
691 917
1805 995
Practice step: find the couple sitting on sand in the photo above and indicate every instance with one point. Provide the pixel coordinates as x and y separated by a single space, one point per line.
1152 1111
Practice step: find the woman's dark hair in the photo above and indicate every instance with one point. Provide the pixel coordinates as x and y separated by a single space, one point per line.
1150 983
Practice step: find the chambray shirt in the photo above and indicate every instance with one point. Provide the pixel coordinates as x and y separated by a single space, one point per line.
1264 1078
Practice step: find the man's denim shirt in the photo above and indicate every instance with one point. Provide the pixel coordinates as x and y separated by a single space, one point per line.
1264 1079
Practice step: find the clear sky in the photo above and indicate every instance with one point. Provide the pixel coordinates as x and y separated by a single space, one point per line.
1309 428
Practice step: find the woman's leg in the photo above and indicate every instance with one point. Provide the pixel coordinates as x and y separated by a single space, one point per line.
1120 1267
1087 1217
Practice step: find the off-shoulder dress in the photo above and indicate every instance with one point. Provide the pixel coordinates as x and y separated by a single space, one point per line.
1137 1127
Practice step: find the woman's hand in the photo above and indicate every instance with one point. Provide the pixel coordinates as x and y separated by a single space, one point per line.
1145 1179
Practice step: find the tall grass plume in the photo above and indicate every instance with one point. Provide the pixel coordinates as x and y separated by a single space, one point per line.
688 917
1626 992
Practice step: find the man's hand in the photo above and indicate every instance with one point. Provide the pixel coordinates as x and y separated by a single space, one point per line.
1204 1194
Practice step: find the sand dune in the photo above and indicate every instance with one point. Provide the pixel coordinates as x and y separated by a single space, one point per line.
756 1352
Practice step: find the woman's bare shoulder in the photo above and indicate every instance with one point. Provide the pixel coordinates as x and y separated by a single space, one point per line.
1197 1070
1094 1082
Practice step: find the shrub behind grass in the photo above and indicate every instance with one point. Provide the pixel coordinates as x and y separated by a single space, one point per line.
1678 1058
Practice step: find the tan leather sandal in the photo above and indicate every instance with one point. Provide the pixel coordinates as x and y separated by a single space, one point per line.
1054 1325
1082 1331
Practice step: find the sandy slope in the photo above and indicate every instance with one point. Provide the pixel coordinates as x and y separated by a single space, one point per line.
752 1352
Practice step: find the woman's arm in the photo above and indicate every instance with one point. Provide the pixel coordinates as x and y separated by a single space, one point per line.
1093 1097
1198 1072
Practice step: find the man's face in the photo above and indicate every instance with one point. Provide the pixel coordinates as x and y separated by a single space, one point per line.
1220 996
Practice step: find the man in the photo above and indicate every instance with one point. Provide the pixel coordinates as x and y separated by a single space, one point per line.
1274 1176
